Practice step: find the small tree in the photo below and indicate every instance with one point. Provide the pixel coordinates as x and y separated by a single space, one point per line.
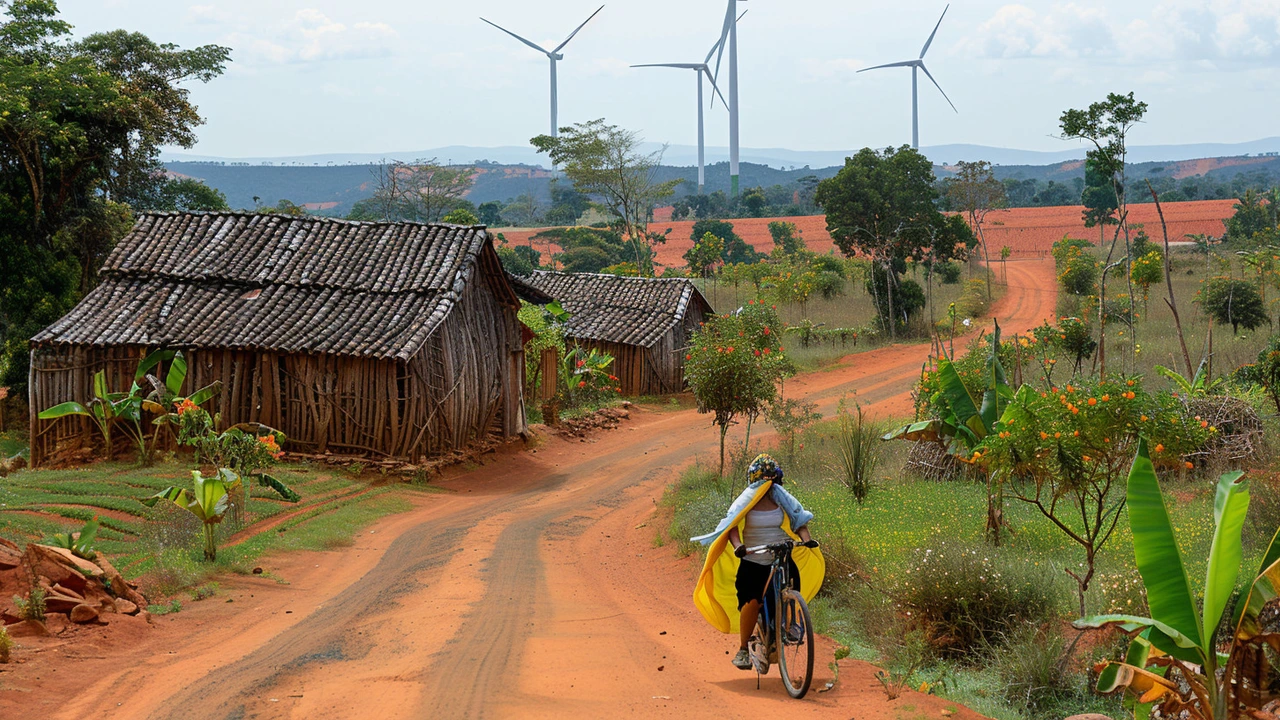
1147 271
704 254
790 417
975 191
786 237
735 365
1233 302
1067 454
606 162
1005 252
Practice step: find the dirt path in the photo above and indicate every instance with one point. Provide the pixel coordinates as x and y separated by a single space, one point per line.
534 589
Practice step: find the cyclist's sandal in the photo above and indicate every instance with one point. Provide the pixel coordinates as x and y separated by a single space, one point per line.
742 660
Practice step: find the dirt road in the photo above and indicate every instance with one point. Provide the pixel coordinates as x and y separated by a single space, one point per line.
532 588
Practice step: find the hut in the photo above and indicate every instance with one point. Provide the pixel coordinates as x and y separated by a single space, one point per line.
644 323
396 340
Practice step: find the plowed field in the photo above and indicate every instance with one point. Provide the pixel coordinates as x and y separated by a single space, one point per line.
1030 232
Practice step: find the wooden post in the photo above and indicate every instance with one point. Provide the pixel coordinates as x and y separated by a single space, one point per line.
550 365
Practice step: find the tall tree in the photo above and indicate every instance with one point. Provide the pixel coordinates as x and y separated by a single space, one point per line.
606 162
81 126
1099 198
1106 125
420 191
882 204
975 191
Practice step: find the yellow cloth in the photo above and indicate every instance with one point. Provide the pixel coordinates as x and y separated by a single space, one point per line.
715 594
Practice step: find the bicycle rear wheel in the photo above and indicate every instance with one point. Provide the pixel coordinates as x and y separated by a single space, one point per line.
794 643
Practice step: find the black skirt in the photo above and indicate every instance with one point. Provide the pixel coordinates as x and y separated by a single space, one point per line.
752 578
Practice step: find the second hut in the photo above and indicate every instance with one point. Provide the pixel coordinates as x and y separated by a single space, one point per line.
646 324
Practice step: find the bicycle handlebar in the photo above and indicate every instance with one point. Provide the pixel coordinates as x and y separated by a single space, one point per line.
776 547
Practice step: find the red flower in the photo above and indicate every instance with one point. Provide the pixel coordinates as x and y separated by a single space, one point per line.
766 331
582 383
730 349
186 405
581 363
688 357
757 353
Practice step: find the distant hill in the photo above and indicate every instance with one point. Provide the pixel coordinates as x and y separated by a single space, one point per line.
333 189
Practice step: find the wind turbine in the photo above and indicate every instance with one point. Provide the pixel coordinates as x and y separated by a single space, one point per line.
701 69
916 65
729 35
554 55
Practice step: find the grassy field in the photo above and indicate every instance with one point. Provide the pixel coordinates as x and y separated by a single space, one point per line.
1156 339
886 539
163 542
852 309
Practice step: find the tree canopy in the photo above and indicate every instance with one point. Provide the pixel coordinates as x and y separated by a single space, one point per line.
81 127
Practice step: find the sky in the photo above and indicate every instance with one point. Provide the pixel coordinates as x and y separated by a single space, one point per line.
336 76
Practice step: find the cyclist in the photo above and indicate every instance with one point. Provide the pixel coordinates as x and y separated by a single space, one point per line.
763 514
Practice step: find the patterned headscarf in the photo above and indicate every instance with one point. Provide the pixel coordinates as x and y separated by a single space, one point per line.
764 467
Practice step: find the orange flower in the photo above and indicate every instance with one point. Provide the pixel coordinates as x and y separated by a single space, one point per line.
1086 458
582 383
1131 395
1057 435
730 349
1093 401
1159 447
1070 389
186 405
1044 435
1075 433
1189 465
1145 418
1106 398
1130 383
1204 423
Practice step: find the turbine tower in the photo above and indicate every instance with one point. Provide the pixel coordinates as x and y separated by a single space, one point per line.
918 65
729 36
701 69
553 55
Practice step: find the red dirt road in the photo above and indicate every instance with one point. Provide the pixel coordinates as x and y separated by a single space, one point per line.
531 589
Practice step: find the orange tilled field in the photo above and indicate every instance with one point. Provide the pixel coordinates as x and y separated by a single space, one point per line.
1030 232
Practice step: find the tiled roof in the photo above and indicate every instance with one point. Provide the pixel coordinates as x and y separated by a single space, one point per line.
628 310
280 283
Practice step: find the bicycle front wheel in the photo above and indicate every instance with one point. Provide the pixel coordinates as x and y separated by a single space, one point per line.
795 643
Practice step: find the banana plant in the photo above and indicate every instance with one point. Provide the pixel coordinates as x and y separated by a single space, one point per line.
965 422
208 499
1174 662
108 409
1199 384
81 544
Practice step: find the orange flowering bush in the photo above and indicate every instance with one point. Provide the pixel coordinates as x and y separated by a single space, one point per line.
1067 452
735 364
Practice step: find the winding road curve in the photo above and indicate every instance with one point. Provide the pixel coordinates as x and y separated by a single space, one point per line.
534 588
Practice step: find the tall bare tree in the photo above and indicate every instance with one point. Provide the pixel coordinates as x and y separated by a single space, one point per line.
420 191
975 191
606 163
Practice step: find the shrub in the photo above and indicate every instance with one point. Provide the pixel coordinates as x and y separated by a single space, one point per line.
857 451
973 301
970 598
908 296
1266 371
1233 302
1079 273
32 606
699 499
1147 270
790 417
6 645
1032 667
950 272
1067 248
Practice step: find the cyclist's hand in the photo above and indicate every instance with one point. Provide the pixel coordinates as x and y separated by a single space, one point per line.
740 551
811 544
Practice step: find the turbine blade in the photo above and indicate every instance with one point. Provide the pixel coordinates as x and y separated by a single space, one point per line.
724 34
575 31
683 66
715 89
935 84
904 63
929 42
526 42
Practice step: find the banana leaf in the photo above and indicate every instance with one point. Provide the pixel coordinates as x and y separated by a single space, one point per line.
1179 645
274 483
1110 678
205 393
177 374
924 430
1230 505
997 385
952 389
64 410
1155 548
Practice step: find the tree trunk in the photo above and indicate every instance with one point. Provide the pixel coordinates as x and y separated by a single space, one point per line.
723 430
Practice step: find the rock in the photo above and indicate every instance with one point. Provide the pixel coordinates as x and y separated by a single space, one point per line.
10 555
59 603
124 607
56 623
107 605
27 628
64 591
84 614
60 566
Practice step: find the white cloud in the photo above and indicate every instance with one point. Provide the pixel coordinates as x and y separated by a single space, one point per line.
205 14
312 36
1197 34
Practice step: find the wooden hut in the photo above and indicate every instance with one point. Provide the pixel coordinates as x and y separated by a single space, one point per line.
646 324
388 339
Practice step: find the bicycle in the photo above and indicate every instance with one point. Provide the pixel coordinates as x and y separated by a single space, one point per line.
794 635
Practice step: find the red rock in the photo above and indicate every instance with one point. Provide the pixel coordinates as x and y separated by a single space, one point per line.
27 628
60 566
10 555
84 614
56 623
124 607
59 603
64 591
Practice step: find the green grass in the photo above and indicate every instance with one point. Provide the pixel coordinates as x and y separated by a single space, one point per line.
164 541
1158 342
853 309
